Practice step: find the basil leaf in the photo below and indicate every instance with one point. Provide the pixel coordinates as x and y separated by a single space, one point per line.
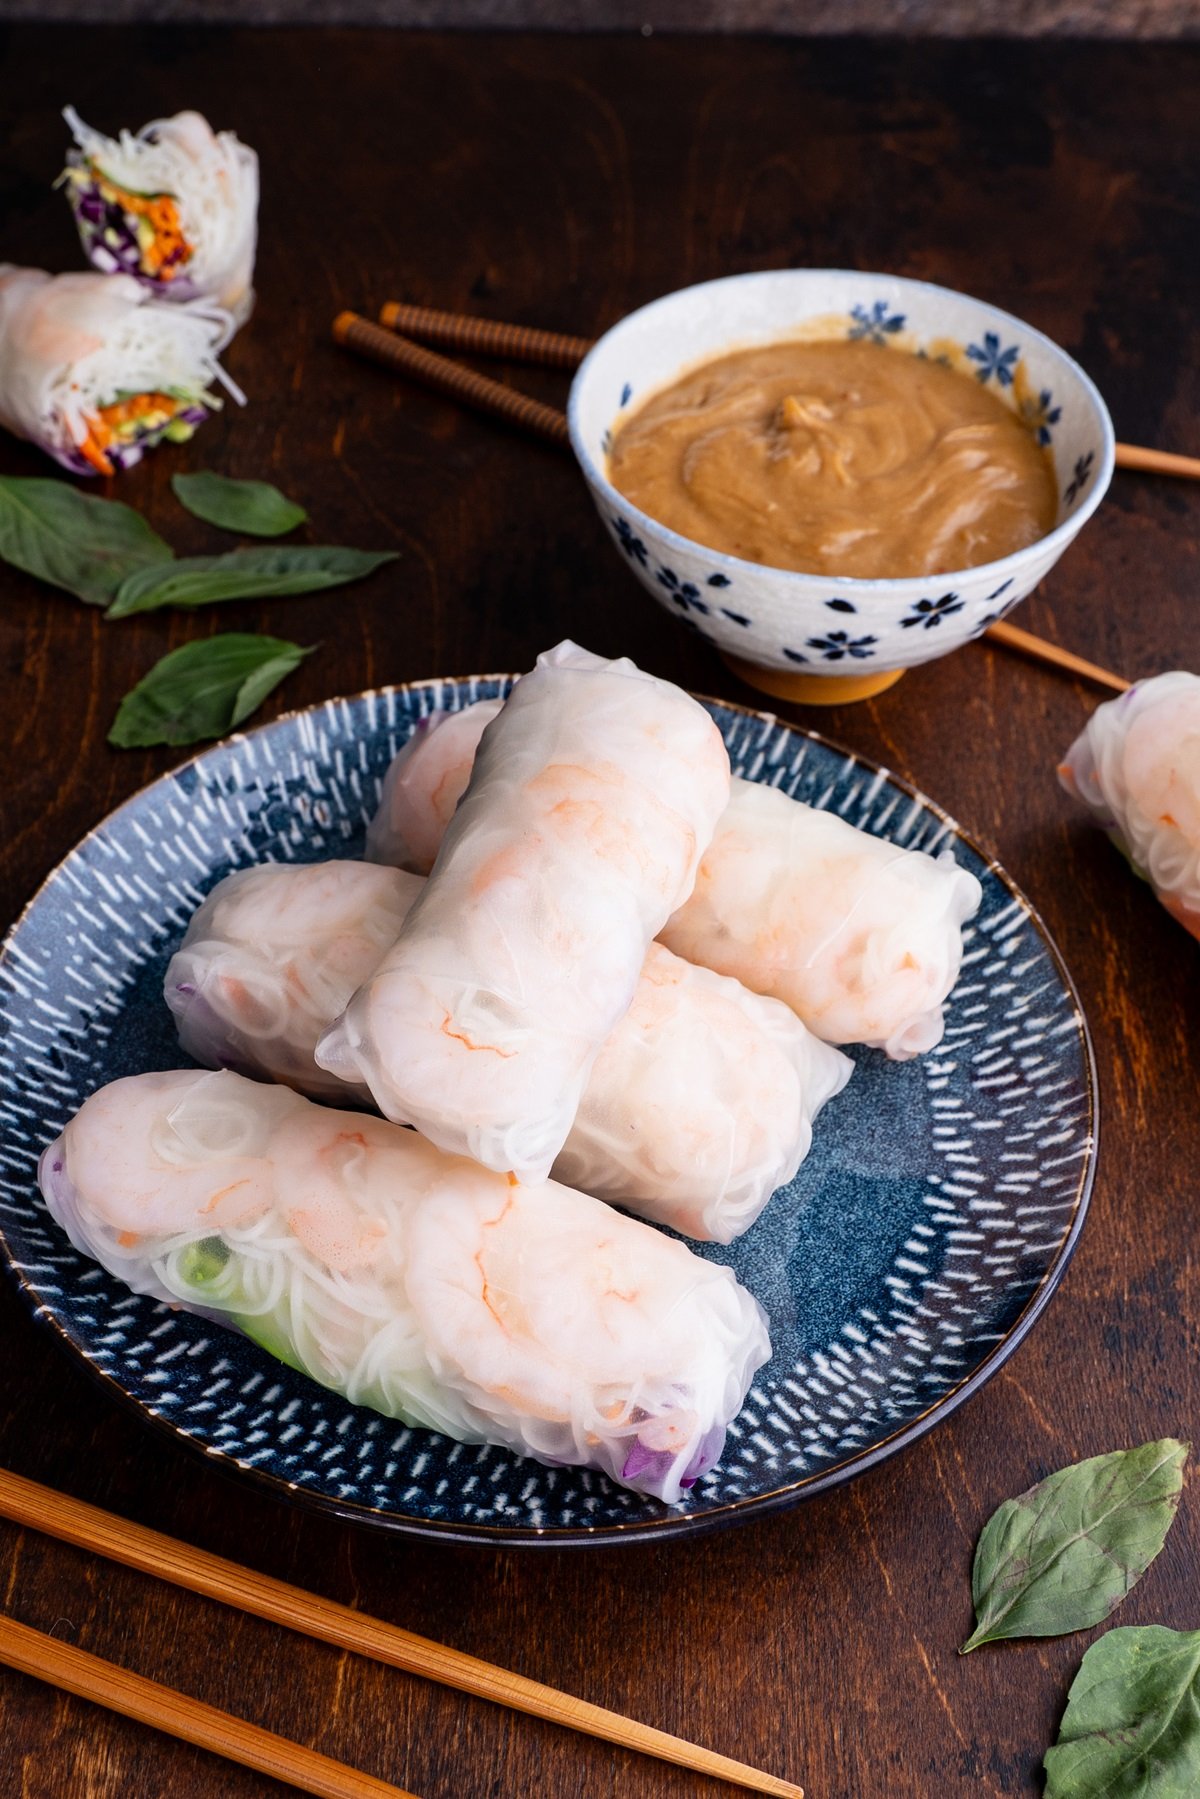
244 575
253 507
203 689
1132 1724
1064 1555
74 540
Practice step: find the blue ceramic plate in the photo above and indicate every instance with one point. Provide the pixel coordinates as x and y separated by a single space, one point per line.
921 1239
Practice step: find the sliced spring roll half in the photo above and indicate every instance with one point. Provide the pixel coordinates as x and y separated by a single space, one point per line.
415 1283
591 800
1136 767
862 939
175 205
700 1104
96 372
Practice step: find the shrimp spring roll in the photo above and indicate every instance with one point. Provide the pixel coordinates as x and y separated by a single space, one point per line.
699 1105
591 800
410 1281
1136 767
861 938
273 956
96 372
175 205
424 784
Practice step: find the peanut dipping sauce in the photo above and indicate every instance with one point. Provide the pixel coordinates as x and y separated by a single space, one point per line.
837 458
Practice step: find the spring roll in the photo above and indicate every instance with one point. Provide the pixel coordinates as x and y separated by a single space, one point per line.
592 798
95 372
273 956
413 1282
862 939
424 784
174 205
699 1106
1136 767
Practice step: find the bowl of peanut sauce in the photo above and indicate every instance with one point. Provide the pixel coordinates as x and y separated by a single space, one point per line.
834 476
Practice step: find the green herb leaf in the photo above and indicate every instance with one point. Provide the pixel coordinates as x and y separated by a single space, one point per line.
244 575
74 540
203 689
1132 1724
253 507
1064 1555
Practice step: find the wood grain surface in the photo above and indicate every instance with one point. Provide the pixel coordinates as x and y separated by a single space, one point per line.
559 182
798 18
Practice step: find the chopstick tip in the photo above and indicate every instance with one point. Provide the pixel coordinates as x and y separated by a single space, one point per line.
343 324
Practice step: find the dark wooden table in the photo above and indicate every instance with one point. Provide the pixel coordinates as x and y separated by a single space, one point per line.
561 182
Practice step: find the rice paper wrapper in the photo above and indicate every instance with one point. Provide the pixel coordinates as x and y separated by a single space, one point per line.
701 1103
861 938
1136 767
272 957
415 1283
424 784
592 797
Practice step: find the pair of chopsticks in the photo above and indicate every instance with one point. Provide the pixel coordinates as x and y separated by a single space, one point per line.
46 1658
391 344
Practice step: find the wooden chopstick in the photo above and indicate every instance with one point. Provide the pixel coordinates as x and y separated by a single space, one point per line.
55 1514
104 1683
448 377
1026 644
464 332
1157 462
472 336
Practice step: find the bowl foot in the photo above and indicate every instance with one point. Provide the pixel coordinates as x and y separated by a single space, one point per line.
812 690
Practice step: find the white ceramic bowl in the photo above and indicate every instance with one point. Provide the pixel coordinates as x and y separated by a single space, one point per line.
781 629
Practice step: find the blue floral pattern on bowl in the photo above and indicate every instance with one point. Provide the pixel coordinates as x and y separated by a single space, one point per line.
932 612
1041 414
993 360
1080 478
629 541
684 594
874 323
836 644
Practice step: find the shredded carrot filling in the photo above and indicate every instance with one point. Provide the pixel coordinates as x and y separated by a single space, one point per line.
166 256
95 455
106 424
